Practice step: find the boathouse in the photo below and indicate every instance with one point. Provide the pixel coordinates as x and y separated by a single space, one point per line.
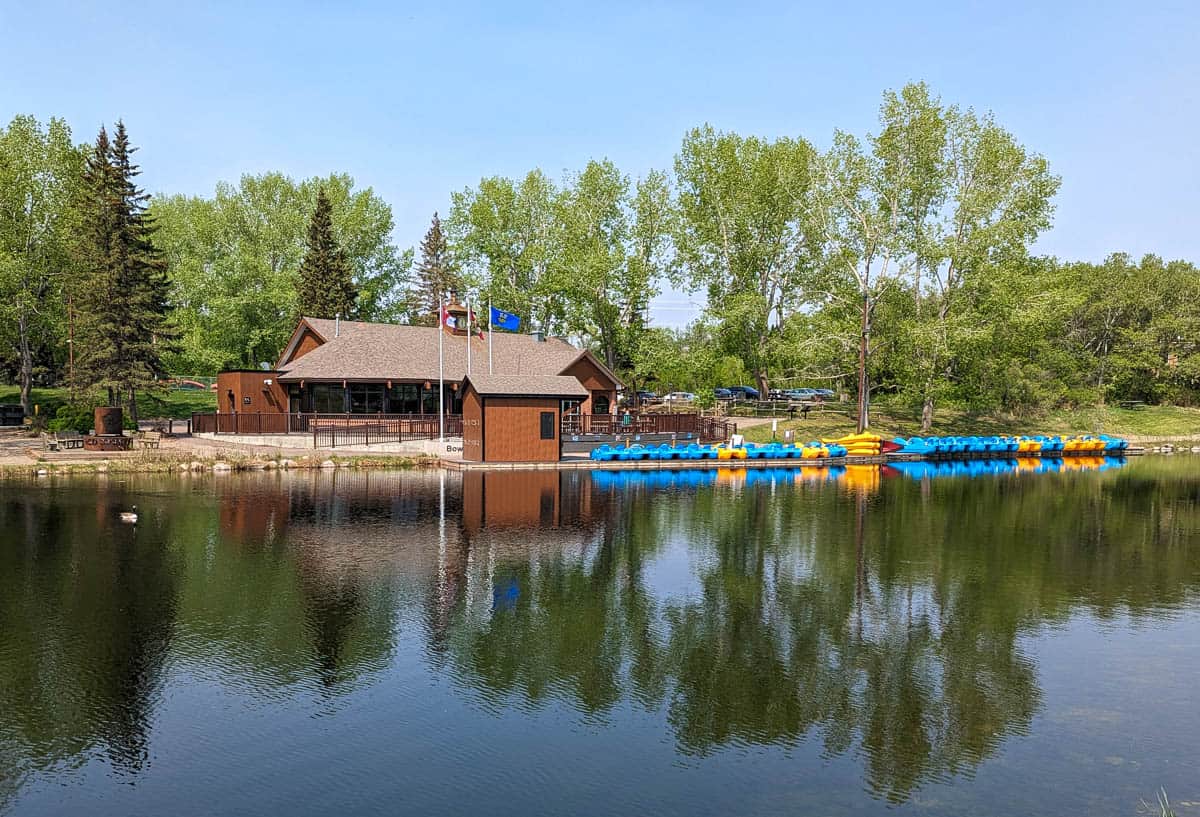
359 369
513 418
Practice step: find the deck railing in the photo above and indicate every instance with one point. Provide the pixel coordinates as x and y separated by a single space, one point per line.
331 430
702 428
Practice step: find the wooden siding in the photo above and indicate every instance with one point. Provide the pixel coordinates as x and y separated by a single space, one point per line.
512 429
472 426
595 381
248 393
308 341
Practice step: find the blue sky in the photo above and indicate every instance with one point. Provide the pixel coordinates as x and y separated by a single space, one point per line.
417 101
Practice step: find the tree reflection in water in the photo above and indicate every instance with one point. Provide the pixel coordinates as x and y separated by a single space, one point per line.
880 612
886 613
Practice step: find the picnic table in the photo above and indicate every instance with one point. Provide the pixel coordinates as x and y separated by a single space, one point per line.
1132 405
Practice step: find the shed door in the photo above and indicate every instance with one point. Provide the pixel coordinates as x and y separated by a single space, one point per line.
547 422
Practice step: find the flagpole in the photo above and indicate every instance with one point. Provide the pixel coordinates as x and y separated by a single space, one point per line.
468 334
441 369
491 329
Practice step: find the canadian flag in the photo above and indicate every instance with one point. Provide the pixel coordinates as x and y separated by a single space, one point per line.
474 319
446 319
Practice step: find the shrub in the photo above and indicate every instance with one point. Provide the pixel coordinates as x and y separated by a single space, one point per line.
73 417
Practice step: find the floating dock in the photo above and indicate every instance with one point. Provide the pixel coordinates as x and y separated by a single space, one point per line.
584 464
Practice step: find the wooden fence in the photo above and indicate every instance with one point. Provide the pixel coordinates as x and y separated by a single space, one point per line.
604 425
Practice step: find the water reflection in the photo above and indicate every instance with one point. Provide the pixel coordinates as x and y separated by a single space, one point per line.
884 613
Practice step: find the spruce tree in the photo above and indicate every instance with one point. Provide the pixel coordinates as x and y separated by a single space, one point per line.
326 287
125 327
436 275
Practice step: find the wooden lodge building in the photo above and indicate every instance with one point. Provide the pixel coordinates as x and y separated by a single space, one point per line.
356 368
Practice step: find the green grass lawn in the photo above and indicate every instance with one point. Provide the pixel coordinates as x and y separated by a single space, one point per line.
1153 421
177 403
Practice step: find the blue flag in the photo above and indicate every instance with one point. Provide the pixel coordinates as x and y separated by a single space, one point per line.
505 320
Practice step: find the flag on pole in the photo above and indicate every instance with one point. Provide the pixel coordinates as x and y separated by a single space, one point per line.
504 320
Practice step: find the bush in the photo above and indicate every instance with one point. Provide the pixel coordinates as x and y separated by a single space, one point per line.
73 417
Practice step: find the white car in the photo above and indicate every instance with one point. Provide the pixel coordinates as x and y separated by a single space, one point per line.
680 397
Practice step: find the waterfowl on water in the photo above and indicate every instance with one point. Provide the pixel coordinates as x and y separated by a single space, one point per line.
130 515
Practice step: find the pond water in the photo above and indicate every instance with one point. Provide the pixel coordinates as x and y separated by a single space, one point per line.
855 641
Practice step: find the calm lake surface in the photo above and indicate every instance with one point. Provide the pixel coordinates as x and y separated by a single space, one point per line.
544 643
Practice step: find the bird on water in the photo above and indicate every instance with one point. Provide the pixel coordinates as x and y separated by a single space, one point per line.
130 515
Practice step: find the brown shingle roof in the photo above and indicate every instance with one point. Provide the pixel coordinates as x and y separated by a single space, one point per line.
527 385
382 351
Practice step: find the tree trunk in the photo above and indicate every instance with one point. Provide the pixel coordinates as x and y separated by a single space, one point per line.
760 382
133 413
864 419
26 364
927 410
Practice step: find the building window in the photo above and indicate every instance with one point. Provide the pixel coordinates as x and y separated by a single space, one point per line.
405 398
600 404
547 425
570 406
328 398
366 398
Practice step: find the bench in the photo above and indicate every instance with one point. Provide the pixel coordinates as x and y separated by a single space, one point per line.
1132 405
150 439
71 439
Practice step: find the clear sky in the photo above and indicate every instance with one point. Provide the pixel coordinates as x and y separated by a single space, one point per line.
417 101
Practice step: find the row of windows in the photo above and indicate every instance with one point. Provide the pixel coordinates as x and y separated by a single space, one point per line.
371 398
401 398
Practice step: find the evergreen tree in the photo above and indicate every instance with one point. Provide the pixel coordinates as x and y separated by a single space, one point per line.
326 286
124 327
436 275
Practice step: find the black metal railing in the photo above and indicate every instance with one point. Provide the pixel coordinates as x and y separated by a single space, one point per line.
331 430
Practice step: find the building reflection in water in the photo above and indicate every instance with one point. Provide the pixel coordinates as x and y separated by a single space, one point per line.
878 610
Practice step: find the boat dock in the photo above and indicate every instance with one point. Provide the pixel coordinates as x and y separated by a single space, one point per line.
585 464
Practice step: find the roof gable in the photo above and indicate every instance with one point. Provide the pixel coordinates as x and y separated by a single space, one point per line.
304 326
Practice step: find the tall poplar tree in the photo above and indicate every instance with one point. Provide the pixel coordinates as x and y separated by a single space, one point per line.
436 274
326 288
122 289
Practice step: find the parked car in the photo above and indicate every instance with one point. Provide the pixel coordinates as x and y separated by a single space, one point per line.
647 397
802 394
743 392
723 394
679 397
825 393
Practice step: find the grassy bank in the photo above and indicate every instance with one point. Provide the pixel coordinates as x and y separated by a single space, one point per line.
1152 422
176 403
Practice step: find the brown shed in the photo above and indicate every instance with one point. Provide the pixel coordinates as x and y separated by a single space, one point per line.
516 418
250 391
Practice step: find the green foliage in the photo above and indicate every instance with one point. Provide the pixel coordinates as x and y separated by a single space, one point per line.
40 170
235 261
78 417
326 288
436 275
743 234
122 288
582 259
